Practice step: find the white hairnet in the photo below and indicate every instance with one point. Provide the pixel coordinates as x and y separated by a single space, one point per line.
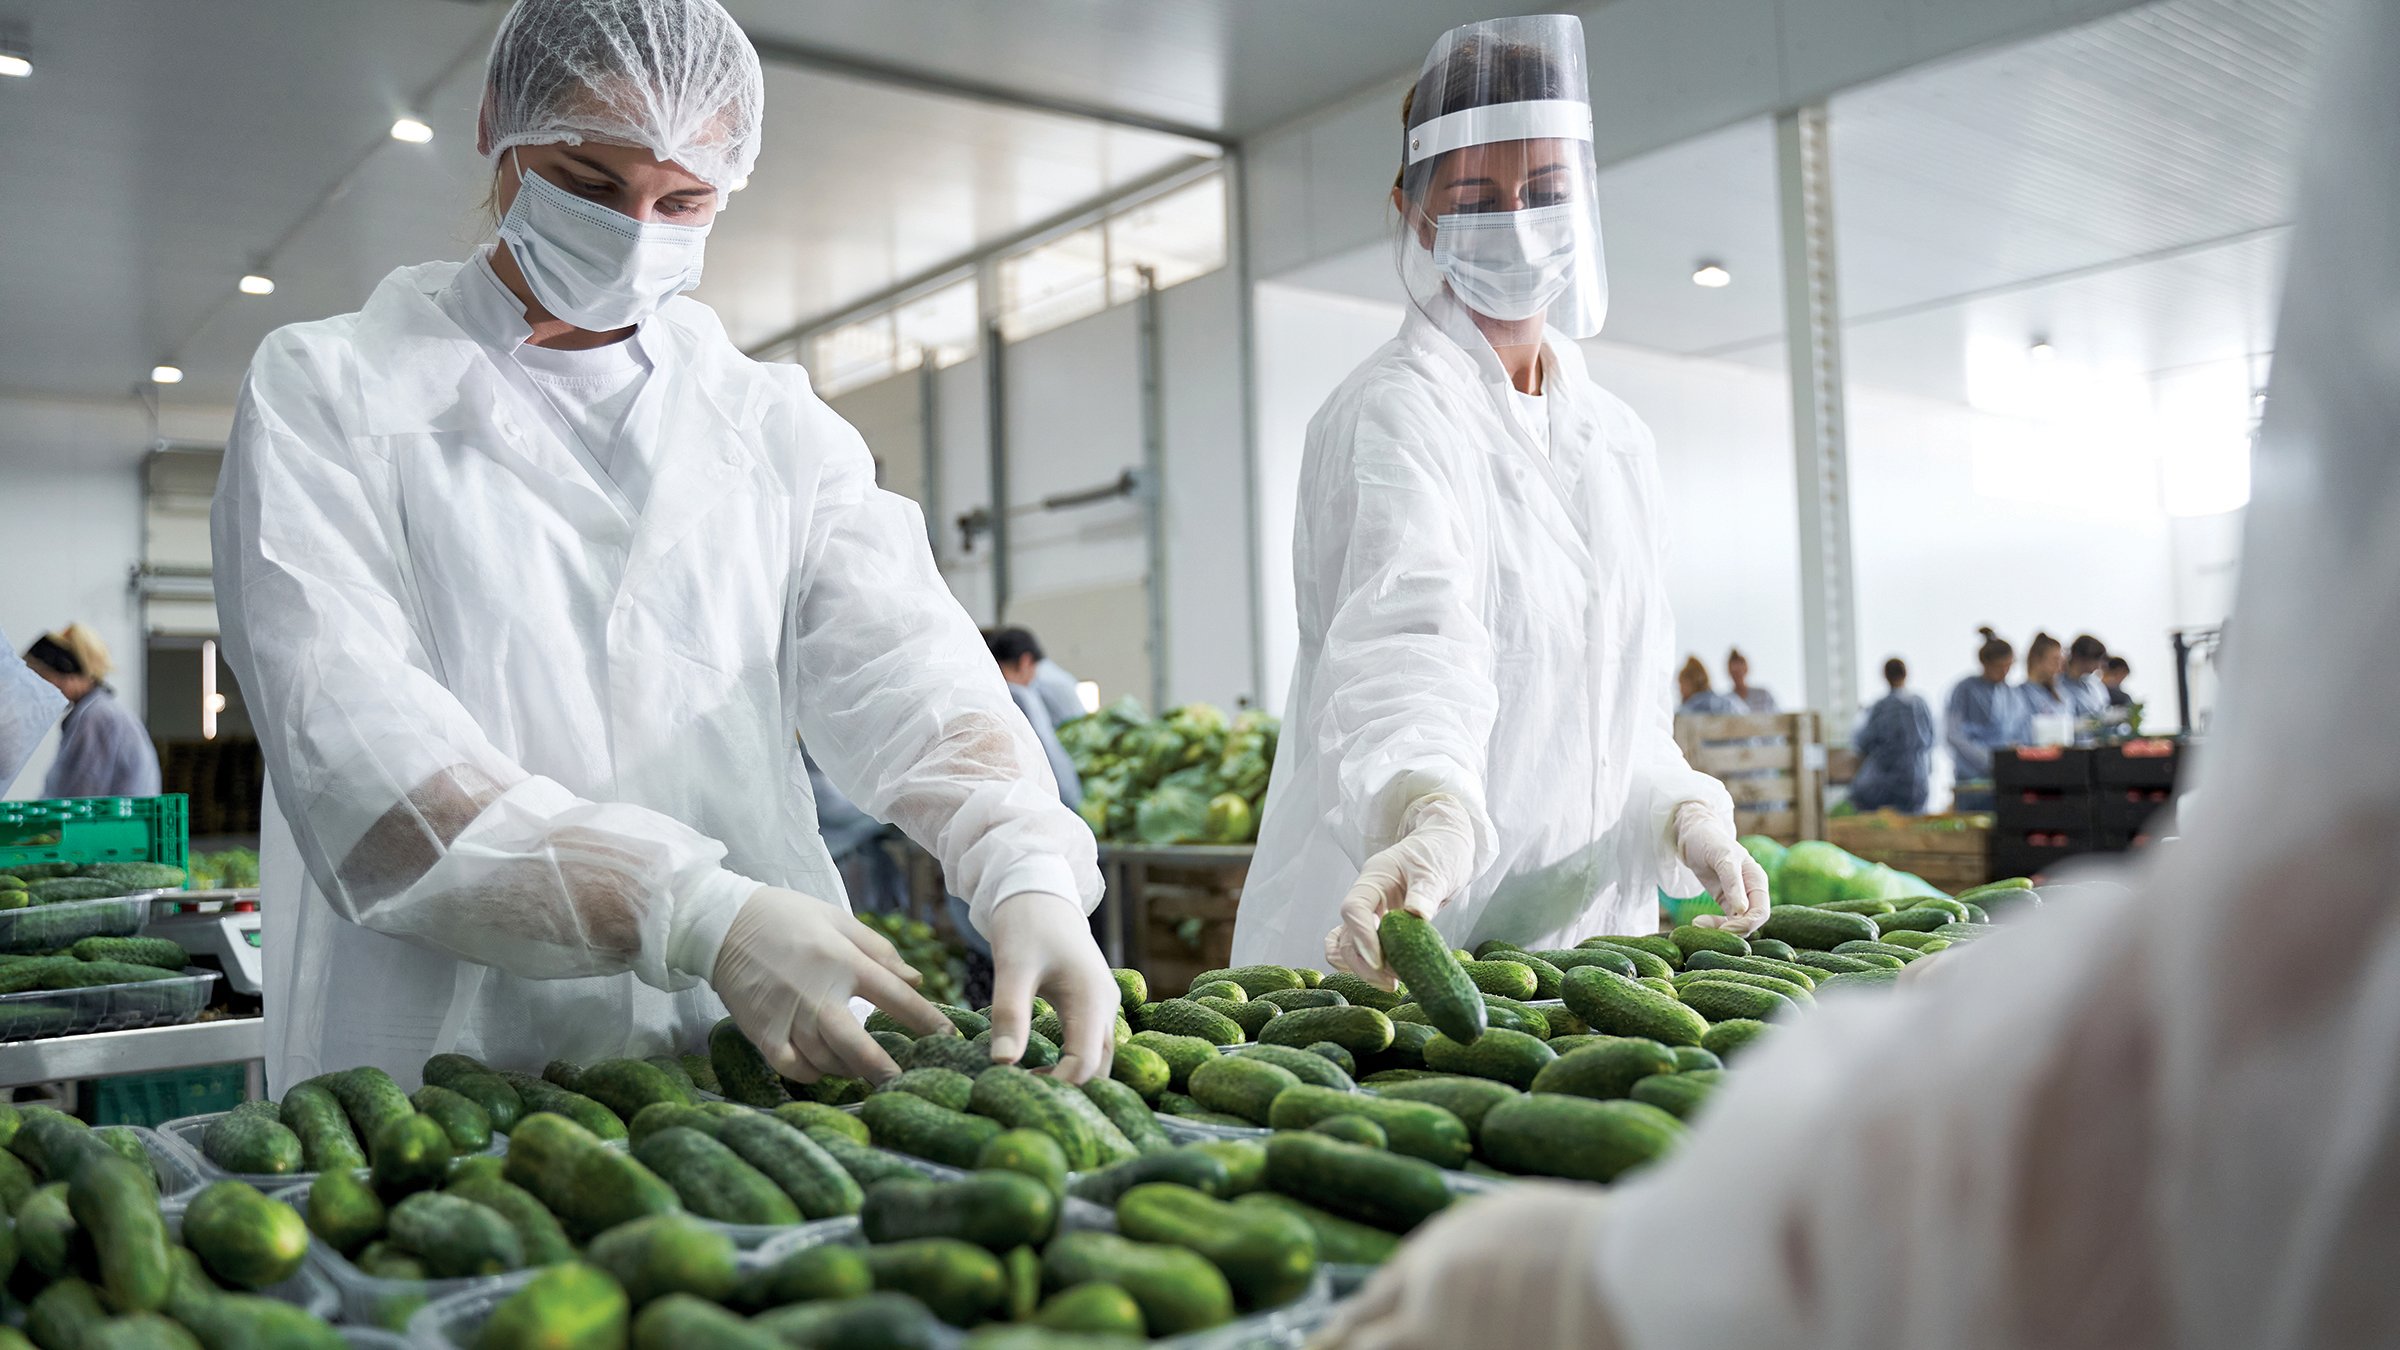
2167 1118
675 77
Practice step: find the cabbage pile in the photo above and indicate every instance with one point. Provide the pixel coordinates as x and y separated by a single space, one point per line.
1813 872
1192 776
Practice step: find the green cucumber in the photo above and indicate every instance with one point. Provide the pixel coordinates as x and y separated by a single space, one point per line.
1414 950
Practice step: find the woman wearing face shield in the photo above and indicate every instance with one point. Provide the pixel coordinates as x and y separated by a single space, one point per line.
1479 727
537 577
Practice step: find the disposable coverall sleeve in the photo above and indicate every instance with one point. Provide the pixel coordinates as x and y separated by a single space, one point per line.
1404 698
412 822
29 707
902 705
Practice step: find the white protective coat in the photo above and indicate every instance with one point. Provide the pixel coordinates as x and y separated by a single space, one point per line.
2170 1117
529 749
1483 619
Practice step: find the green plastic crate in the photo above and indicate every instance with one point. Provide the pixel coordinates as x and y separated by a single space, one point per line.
154 1098
96 829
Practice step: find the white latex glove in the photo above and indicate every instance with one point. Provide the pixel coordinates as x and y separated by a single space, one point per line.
1470 1278
1042 944
791 964
1706 844
1433 861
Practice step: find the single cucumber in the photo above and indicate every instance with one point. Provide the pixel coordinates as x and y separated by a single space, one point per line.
245 1239
468 1125
995 1210
743 1074
667 1254
575 1306
1553 1134
1388 1190
1361 1031
1242 1087
1607 1070
539 1233
712 1180
1726 1038
455 1237
1618 1006
1511 1057
1816 929
1267 1257
1415 951
960 1282
589 1186
1178 1289
807 1175
828 1270
344 1211
1680 1095
1191 1167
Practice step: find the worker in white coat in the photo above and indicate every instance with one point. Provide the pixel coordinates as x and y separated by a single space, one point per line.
1478 728
28 707
2158 1116
532 578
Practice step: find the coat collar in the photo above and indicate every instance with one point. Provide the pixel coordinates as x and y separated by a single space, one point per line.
423 368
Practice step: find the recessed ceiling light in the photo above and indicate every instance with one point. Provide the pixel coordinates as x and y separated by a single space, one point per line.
2041 350
412 131
13 64
166 374
254 284
1712 275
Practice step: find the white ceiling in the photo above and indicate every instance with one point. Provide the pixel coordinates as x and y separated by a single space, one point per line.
2118 188
163 145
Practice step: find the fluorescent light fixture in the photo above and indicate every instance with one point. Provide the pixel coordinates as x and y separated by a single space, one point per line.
13 64
254 284
1712 275
1087 693
166 374
412 131
2041 350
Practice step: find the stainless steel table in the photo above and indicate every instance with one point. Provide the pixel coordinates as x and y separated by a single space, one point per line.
105 1054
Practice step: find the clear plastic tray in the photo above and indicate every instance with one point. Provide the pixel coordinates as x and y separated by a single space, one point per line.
308 1288
43 928
363 1298
1184 1131
179 1174
451 1323
38 1013
186 1132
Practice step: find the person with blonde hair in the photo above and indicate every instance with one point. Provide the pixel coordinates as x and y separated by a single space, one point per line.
103 749
1696 698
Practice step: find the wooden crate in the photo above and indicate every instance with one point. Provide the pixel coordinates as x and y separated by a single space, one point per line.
1169 910
1771 763
1953 852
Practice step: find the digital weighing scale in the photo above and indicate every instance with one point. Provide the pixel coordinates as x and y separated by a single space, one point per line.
218 928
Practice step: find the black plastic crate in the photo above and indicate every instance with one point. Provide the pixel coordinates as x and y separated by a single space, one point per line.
2017 811
2052 767
2135 810
2143 763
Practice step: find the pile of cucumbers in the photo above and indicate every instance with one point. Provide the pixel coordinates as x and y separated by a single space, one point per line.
55 883
96 1262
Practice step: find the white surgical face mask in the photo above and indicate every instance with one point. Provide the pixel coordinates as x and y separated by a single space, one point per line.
1509 264
595 268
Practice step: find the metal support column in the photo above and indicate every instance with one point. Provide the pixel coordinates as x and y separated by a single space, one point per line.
1154 479
929 447
995 430
1820 426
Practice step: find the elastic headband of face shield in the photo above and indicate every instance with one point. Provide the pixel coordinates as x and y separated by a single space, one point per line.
56 657
1519 80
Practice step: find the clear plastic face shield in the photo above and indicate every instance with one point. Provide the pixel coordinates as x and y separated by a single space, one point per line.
1497 206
